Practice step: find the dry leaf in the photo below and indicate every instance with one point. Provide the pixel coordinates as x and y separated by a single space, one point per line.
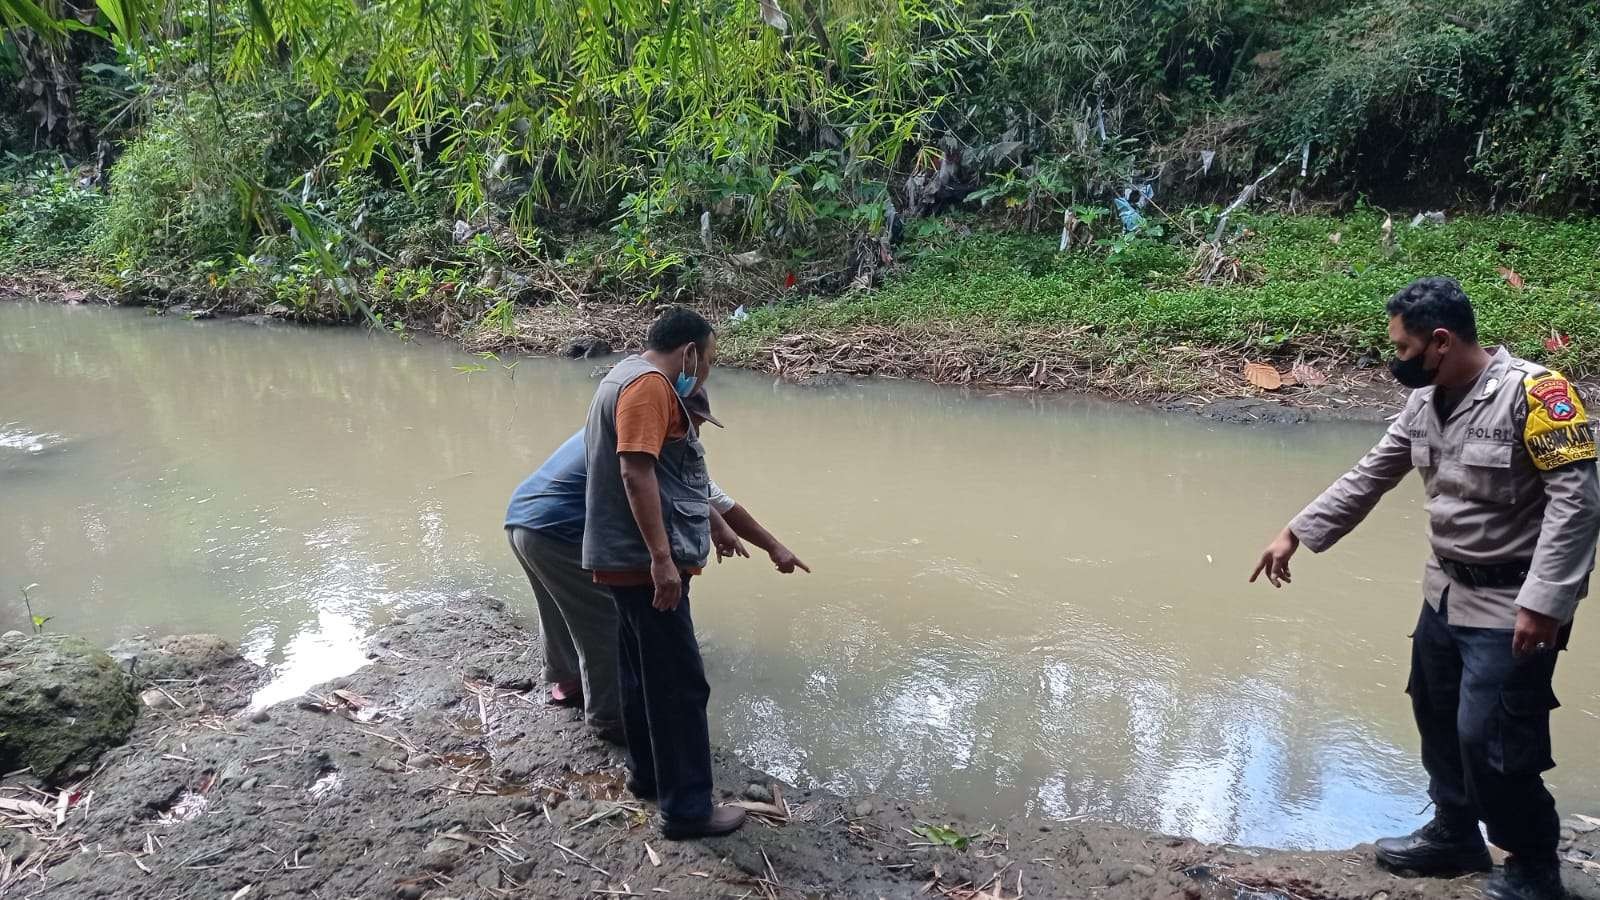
1335 238
1263 376
1309 375
655 858
352 698
1511 277
762 809
27 808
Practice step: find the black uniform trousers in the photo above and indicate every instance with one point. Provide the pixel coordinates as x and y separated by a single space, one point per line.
1484 716
664 695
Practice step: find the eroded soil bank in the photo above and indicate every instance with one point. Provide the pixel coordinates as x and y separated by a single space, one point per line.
436 771
1209 382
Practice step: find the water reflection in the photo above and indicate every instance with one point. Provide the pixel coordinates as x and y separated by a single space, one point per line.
1019 604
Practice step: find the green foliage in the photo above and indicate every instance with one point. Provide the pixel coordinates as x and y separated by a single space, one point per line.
1394 89
207 174
942 836
1311 295
47 215
37 621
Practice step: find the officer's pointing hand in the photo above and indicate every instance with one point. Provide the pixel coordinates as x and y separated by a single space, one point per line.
1275 559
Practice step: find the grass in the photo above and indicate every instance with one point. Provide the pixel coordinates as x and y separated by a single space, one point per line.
1304 293
969 301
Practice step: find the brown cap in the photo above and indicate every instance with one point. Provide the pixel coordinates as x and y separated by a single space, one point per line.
699 405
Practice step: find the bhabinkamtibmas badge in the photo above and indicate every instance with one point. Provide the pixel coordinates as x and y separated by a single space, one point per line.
1558 431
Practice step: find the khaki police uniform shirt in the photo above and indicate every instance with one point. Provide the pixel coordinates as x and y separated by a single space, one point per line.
1509 476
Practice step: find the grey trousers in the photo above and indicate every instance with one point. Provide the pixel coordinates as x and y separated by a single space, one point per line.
578 620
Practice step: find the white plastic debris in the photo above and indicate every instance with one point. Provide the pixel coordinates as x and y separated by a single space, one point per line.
773 16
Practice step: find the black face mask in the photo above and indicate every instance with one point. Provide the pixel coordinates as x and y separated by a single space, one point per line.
1413 372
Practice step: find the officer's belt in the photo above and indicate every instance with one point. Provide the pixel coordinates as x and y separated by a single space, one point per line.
1489 575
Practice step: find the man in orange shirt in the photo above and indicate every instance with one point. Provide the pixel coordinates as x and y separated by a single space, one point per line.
647 532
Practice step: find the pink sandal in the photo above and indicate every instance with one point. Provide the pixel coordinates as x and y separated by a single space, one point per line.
568 694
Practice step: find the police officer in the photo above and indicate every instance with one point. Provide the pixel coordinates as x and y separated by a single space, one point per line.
1507 458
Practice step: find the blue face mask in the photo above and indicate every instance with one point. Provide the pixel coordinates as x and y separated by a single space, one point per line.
684 384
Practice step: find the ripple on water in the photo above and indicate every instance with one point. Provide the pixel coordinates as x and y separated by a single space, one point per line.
14 437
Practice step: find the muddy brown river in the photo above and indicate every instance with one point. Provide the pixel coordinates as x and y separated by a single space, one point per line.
1019 604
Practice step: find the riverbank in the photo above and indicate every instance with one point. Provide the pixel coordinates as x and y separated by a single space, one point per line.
1288 328
1208 383
436 771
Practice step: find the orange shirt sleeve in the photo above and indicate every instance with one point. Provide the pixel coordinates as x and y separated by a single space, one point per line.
648 415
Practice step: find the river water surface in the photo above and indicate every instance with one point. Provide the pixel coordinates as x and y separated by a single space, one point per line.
1019 604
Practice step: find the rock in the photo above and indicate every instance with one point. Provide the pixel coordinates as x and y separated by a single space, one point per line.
1117 875
12 635
515 679
1143 870
181 657
409 892
489 880
389 764
437 860
1568 835
63 702
155 698
863 809
248 784
259 716
1580 826
17 845
572 812
520 872
758 793
586 346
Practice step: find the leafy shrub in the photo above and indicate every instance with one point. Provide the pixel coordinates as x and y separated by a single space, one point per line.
47 214
203 177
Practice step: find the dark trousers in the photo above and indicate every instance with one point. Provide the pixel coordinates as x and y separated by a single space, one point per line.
664 694
1484 716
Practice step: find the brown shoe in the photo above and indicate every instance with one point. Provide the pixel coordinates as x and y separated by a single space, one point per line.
723 820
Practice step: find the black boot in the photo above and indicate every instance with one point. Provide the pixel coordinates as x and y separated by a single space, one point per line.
1438 848
1526 881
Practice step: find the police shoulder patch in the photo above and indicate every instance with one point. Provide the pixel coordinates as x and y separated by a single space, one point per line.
1558 431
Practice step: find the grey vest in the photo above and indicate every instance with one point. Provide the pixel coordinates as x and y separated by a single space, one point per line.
611 538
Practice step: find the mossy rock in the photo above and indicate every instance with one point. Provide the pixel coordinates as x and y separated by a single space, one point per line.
63 702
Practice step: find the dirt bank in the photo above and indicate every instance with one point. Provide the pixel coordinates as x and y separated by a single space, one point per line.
1207 382
435 771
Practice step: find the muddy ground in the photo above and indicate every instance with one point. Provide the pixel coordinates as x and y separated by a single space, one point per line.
436 771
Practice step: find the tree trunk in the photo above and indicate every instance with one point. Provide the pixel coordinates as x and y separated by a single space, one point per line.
52 76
